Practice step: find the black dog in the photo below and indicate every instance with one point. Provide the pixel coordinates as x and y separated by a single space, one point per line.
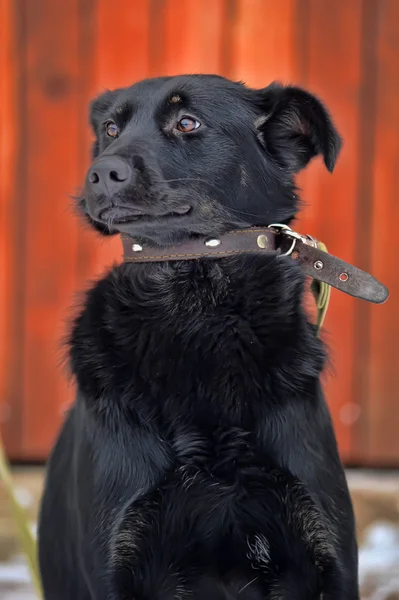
199 459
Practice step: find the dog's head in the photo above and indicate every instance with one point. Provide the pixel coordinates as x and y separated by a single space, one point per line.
176 157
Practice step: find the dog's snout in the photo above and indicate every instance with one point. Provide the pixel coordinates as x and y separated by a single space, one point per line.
109 175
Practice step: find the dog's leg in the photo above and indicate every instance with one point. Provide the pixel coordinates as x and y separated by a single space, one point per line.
60 565
324 477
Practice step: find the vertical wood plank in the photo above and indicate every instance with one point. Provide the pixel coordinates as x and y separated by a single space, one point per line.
88 241
52 139
263 48
192 37
122 57
367 119
331 68
382 444
122 43
11 217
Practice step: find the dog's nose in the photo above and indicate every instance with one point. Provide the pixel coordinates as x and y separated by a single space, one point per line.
109 175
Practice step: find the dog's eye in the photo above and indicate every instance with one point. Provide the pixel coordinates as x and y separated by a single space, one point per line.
187 124
111 128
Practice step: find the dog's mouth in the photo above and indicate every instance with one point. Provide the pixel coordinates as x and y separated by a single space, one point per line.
125 215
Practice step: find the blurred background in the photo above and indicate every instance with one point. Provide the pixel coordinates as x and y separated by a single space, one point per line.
56 55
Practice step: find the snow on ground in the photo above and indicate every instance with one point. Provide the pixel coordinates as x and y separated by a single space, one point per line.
379 562
15 581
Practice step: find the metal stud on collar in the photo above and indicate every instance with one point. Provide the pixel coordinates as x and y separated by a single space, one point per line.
137 248
212 243
262 241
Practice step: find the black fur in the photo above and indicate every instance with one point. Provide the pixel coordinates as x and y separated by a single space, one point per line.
199 459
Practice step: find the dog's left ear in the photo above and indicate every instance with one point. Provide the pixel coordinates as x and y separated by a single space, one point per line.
294 127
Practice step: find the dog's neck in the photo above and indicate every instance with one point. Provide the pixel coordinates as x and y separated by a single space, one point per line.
184 333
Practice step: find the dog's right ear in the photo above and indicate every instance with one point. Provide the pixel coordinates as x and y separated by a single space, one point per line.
99 108
294 126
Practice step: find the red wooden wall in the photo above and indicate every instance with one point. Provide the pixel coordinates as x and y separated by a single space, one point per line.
55 55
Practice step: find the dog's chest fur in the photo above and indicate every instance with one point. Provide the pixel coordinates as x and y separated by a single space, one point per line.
204 345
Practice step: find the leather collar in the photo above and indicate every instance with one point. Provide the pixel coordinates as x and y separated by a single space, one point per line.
275 239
